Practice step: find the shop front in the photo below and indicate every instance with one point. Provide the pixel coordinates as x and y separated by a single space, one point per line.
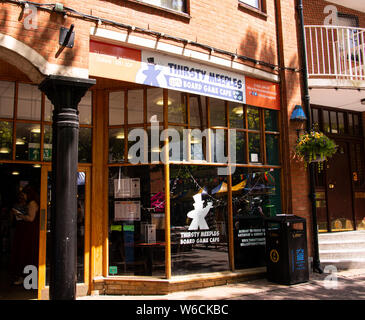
178 164
193 158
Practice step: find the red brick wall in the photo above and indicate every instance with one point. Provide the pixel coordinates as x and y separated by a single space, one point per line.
314 15
216 23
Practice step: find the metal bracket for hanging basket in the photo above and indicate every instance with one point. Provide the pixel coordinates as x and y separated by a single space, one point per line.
67 37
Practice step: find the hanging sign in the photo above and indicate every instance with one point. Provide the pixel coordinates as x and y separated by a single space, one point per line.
163 71
262 93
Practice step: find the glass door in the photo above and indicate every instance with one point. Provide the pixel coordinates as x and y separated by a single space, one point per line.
83 221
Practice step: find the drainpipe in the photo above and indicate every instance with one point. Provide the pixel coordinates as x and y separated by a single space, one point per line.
306 100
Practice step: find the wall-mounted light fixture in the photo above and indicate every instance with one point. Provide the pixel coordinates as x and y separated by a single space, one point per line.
362 101
298 114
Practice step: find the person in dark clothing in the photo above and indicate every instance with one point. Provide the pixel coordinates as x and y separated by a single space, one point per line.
26 238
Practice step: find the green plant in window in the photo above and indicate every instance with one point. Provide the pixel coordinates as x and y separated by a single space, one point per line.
315 147
6 136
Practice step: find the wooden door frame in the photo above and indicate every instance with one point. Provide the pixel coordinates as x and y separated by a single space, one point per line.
84 287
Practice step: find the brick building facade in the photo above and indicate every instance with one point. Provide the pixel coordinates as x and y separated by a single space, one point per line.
251 52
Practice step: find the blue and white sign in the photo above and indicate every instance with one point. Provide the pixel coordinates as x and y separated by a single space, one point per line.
163 71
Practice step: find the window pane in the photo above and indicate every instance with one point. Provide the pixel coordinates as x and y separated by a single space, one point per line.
326 121
178 5
177 107
6 99
219 145
254 147
240 148
217 113
341 122
116 145
198 245
48 109
85 138
253 118
315 116
252 3
136 221
198 111
29 102
177 144
155 104
28 138
350 123
333 116
198 144
272 149
271 120
85 109
6 140
116 108
256 194
356 125
135 106
236 115
47 146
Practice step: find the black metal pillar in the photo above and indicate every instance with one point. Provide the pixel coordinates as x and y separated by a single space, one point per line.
65 94
306 100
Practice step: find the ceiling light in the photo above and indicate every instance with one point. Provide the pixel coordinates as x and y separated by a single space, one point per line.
20 142
15 173
36 130
4 150
36 166
238 110
159 102
120 136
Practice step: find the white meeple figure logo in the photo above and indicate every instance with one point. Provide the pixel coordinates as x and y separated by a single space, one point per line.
199 213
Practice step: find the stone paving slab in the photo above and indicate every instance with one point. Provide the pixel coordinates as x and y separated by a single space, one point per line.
344 285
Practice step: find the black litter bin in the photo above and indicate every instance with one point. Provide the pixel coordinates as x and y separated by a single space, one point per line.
286 249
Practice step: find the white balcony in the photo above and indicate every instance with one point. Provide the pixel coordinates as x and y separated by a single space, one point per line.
336 63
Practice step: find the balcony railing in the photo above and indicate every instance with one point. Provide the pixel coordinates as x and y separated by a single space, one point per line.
335 52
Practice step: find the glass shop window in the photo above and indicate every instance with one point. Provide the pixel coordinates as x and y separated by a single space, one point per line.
198 111
116 145
28 138
29 102
6 140
135 106
236 115
198 208
116 108
177 107
136 221
255 195
217 113
7 90
155 105
85 109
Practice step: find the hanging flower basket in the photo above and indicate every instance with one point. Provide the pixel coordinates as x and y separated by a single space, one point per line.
315 147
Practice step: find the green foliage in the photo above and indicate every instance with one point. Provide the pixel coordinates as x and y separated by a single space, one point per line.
315 147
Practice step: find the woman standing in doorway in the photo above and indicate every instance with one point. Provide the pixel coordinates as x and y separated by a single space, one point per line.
26 238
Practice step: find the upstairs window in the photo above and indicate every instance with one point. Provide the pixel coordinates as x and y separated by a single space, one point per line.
177 5
253 3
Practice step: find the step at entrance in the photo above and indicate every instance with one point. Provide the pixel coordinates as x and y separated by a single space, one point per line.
345 250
